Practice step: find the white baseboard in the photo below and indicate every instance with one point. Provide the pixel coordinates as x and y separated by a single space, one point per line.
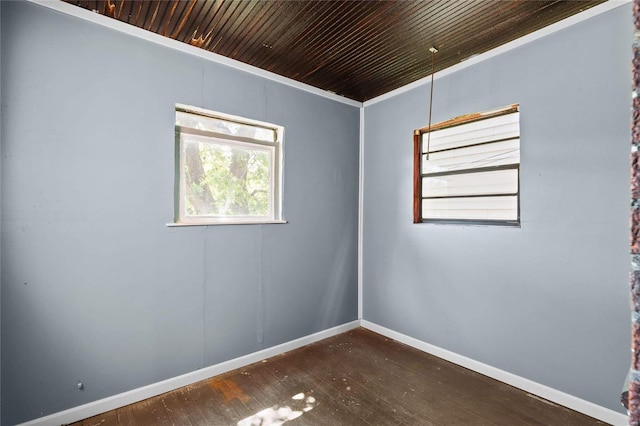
116 401
554 395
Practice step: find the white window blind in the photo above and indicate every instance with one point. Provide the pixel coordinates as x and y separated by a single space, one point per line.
469 169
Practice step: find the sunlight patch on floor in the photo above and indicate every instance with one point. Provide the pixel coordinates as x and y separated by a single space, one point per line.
279 414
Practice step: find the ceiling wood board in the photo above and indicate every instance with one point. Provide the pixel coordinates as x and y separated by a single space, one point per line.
356 49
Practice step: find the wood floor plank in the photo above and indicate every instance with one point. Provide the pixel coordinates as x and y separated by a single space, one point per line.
309 374
178 412
471 390
108 418
186 397
252 393
124 416
401 392
151 411
356 378
305 375
286 392
231 411
201 396
326 391
356 393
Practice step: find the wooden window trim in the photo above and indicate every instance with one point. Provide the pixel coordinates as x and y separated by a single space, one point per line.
470 118
417 177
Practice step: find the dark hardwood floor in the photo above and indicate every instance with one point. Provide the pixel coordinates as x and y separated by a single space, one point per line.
356 378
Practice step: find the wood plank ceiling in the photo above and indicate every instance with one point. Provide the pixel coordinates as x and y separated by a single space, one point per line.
357 49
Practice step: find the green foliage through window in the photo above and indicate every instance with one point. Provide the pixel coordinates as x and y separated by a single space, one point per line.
228 171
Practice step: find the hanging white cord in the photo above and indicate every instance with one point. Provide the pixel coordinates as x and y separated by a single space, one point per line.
433 51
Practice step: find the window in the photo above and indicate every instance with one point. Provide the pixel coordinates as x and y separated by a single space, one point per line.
228 169
467 169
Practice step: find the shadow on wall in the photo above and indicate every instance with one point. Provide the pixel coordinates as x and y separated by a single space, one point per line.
334 297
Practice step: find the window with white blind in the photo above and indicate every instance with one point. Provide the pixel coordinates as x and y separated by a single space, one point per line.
467 169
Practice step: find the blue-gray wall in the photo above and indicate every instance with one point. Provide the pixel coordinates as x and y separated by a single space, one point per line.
95 287
548 301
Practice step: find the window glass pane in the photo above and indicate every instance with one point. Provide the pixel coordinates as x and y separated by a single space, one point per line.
225 178
490 129
226 127
488 155
494 182
480 208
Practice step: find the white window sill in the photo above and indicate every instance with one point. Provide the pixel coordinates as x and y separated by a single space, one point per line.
263 222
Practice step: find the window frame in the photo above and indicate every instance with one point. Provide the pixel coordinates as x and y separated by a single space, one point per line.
418 174
273 148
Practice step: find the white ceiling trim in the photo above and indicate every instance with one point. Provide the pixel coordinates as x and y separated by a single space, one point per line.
132 30
543 32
